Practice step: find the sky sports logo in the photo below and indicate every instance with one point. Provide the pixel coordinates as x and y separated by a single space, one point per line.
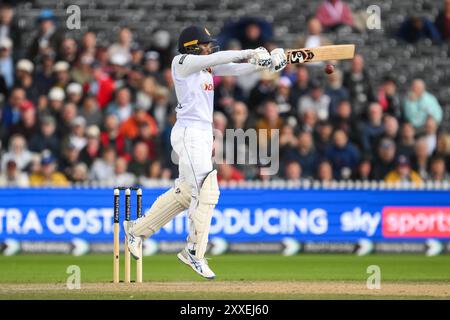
416 222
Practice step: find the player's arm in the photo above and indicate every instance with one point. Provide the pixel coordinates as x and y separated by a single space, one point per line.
190 63
261 59
277 62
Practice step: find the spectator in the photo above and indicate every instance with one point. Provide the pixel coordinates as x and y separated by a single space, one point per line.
12 177
66 118
28 123
324 171
443 148
415 28
44 77
420 104
161 107
46 138
238 121
389 99
6 65
48 37
220 122
88 46
93 148
90 111
103 168
47 175
344 120
118 63
304 154
226 93
293 171
390 127
18 152
102 86
403 172
145 96
431 135
239 118
137 54
420 158
265 89
282 98
83 71
68 51
156 172
438 172
333 14
139 163
322 137
252 36
134 79
308 121
122 176
358 83
363 171
384 162
442 21
343 155
70 157
79 173
271 119
123 45
301 84
373 129
146 135
161 43
316 100
335 91
152 65
228 173
25 80
9 27
62 74
288 140
110 136
407 140
130 127
118 70
314 37
77 136
122 107
75 93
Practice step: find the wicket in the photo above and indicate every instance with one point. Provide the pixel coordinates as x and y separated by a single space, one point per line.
116 258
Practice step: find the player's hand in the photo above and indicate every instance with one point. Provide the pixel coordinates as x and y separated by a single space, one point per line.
261 58
278 60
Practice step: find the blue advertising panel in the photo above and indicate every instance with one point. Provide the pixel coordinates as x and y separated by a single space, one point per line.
242 215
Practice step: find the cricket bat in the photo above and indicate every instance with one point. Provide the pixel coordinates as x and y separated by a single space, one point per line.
323 53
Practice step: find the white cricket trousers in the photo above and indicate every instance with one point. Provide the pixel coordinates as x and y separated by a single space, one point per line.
193 147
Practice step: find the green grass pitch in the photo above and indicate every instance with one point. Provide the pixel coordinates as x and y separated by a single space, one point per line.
312 276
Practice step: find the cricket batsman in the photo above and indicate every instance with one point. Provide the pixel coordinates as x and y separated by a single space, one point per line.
196 188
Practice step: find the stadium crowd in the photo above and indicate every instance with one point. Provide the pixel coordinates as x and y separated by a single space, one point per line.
81 110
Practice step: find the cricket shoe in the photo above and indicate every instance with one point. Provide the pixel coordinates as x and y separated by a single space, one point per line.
199 265
133 242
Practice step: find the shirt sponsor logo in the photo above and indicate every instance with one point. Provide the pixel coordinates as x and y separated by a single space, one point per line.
416 222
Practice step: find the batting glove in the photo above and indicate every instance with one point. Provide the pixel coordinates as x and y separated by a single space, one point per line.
278 59
261 58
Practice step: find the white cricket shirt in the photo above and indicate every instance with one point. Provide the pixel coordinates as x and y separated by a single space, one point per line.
194 87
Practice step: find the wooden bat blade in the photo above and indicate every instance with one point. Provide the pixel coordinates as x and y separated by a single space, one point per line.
323 53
